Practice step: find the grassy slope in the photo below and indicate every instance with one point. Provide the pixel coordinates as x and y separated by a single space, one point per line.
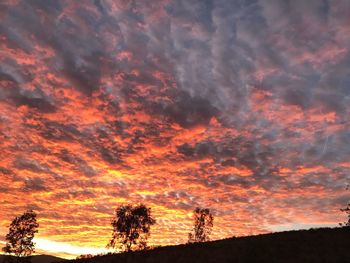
316 245
38 259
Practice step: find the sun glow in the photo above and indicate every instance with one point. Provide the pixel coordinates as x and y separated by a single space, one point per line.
66 250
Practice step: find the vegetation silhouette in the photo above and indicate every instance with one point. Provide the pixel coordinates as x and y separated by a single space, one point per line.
329 245
20 236
203 223
347 211
131 227
32 259
85 256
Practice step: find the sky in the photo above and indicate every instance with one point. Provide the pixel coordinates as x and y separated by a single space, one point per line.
240 106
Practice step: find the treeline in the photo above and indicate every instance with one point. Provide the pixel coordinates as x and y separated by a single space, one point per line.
131 228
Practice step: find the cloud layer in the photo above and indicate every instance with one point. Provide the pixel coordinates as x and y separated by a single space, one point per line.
240 106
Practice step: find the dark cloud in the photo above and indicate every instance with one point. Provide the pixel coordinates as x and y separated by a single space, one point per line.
86 73
74 194
34 99
110 155
4 189
53 130
30 164
13 92
188 111
5 171
80 54
80 164
236 152
185 149
35 185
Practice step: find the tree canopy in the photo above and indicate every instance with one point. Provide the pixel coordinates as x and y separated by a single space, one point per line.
131 227
21 234
203 223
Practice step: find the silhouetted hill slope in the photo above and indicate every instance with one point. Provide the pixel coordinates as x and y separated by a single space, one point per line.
315 245
37 259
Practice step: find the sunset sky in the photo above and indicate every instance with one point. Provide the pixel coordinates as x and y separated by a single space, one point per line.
241 106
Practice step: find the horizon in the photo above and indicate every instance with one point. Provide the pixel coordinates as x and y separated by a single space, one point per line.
242 107
66 251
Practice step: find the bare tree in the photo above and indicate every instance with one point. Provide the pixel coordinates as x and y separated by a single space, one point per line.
203 223
347 211
21 234
131 227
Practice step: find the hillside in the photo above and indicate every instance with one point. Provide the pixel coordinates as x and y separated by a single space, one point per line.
315 245
37 259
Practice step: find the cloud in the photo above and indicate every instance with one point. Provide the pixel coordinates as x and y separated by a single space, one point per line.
5 171
240 106
53 130
189 111
80 164
34 99
31 165
34 185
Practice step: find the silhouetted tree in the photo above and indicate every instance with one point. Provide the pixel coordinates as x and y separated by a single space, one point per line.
203 223
347 211
131 227
21 234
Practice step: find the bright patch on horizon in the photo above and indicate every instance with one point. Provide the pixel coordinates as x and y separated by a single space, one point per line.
66 250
